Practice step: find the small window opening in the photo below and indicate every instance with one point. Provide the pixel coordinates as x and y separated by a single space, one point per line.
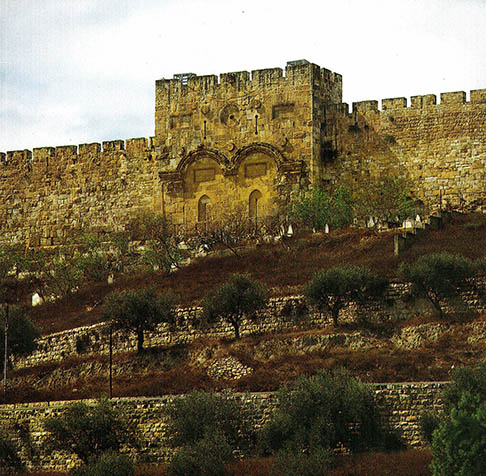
256 124
254 205
203 209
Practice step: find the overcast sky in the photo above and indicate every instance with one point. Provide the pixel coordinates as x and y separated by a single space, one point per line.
76 71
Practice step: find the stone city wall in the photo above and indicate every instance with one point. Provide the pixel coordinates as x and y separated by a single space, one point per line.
47 194
256 141
440 148
400 405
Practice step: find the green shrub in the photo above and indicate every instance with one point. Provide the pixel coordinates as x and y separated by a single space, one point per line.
108 464
466 381
316 463
459 442
437 276
234 300
324 411
138 310
333 289
206 457
10 462
428 422
201 413
22 333
93 266
320 208
88 431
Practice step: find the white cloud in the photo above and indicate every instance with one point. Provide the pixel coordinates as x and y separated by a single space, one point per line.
78 70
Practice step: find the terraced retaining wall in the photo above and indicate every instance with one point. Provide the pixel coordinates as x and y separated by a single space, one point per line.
401 405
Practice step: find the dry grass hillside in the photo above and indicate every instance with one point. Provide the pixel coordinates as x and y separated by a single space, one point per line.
284 268
417 347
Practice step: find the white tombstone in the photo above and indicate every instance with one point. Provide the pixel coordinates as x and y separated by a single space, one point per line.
326 228
407 224
36 299
370 223
156 267
290 231
418 219
110 278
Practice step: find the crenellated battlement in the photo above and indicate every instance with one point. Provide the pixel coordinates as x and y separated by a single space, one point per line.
477 96
295 74
287 129
73 152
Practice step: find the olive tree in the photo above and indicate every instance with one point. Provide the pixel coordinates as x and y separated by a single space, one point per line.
321 412
437 276
234 300
89 430
22 333
138 310
333 289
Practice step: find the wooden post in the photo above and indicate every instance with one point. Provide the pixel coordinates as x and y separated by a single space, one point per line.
5 357
111 360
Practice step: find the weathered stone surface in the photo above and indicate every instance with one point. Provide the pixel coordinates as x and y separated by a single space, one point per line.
249 143
400 404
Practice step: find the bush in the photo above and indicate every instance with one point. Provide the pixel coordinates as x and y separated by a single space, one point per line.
238 298
459 442
206 457
93 266
324 411
429 422
333 289
320 208
316 463
22 333
201 413
388 199
437 276
10 462
466 381
88 431
108 464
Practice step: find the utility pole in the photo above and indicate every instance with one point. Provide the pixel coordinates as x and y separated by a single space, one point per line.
111 360
5 357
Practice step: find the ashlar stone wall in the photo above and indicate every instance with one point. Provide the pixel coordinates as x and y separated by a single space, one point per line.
400 405
440 148
53 191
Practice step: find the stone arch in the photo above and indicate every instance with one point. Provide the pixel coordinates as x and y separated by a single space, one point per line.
262 148
203 209
254 204
191 157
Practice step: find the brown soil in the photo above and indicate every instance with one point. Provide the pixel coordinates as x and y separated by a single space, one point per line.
284 268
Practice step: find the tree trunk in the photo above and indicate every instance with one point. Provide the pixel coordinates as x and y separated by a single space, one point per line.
236 327
436 303
335 316
140 338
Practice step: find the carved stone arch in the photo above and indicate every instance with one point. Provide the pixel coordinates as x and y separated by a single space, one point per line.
261 148
191 157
